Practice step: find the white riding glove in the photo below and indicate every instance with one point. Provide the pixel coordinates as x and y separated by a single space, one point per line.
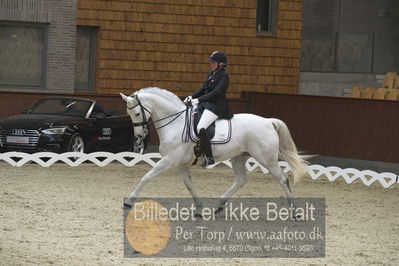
187 100
194 102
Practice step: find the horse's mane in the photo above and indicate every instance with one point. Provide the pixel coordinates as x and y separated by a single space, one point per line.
169 96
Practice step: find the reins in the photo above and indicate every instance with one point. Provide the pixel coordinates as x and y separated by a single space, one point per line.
176 114
185 136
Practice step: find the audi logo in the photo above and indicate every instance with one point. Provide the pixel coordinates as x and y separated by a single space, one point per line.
18 132
106 131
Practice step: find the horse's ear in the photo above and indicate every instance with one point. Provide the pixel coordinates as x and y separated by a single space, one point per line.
124 97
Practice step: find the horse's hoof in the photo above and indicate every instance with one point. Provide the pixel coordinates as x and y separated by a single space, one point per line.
127 206
219 210
296 217
197 215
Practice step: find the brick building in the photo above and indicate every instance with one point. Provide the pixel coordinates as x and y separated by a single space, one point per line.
107 46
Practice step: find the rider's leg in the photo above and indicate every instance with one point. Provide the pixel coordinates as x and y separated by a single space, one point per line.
206 120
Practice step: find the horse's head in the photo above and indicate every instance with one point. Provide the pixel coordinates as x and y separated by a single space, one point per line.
138 114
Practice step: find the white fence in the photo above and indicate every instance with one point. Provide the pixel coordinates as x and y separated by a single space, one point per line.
46 159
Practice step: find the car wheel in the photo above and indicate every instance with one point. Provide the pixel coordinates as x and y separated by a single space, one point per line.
137 146
76 144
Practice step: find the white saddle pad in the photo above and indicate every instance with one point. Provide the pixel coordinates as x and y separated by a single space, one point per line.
222 132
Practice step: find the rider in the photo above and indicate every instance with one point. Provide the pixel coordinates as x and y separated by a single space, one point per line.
212 97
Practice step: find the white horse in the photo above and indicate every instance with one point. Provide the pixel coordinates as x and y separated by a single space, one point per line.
266 140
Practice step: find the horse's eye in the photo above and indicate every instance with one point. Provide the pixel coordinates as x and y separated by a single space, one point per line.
137 114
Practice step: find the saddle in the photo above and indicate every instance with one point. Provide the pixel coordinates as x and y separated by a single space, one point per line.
219 132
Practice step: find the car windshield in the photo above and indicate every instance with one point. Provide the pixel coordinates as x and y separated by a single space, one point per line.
59 106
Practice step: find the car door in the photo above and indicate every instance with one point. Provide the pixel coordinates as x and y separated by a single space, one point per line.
113 133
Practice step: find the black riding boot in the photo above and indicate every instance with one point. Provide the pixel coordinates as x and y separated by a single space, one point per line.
206 147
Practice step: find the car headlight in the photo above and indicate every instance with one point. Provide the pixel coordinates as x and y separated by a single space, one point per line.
54 130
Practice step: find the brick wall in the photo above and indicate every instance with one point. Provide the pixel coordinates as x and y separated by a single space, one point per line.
61 46
166 43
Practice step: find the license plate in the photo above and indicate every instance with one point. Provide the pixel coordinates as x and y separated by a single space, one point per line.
17 139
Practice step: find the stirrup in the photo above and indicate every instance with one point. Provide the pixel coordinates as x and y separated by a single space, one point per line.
208 161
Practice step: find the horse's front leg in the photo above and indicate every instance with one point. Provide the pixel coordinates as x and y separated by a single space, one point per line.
163 165
185 173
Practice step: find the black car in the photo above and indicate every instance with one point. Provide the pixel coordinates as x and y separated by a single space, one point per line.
60 124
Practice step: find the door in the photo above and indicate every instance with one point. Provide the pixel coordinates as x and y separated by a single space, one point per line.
113 133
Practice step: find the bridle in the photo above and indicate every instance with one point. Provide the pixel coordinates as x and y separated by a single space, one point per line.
143 109
145 122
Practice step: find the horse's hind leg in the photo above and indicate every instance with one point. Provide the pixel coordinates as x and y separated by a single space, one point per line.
239 169
185 172
282 179
275 170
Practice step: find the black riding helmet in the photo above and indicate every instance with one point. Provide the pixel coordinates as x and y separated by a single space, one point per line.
219 57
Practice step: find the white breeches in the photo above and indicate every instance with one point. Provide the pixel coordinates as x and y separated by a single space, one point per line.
206 120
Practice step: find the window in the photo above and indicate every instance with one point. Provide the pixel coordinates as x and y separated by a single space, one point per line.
266 16
22 55
85 58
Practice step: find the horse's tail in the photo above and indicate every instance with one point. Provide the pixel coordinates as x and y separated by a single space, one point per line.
288 151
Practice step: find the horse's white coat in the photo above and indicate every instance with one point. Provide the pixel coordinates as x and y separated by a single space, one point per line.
264 139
